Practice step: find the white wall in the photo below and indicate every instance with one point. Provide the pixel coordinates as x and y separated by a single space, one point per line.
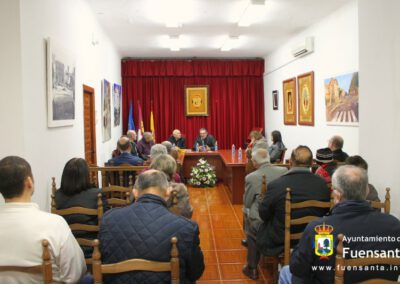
336 53
71 24
380 88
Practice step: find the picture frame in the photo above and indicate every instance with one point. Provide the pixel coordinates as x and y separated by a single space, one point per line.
117 102
305 91
342 100
197 100
106 109
289 101
275 99
60 73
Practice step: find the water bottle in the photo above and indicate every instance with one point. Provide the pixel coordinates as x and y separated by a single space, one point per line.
197 147
233 150
240 154
216 146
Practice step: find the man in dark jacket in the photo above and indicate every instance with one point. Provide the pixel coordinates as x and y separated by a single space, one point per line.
336 145
361 225
177 139
205 141
144 145
144 230
304 186
125 147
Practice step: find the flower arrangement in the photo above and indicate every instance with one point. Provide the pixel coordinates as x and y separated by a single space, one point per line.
203 174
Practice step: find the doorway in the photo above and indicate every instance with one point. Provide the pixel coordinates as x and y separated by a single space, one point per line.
89 125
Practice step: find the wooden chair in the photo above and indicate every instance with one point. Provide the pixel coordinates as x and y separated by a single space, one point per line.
357 262
118 196
122 175
282 157
81 227
45 268
136 264
299 221
383 205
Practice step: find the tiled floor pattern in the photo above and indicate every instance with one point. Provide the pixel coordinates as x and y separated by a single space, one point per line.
221 231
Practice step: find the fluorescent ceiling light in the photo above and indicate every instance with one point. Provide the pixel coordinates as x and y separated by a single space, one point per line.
252 13
174 43
230 42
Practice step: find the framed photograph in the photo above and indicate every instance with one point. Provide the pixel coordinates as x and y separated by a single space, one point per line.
106 110
305 84
289 102
196 101
61 70
117 91
341 100
275 99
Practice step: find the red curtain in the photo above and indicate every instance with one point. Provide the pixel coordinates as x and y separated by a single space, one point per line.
236 97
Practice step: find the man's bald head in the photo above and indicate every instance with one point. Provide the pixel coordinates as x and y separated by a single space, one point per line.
131 135
124 144
351 182
177 134
153 181
302 157
148 136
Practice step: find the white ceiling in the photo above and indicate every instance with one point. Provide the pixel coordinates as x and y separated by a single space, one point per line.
137 27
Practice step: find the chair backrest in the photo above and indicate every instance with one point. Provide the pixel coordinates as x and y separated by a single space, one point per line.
341 263
81 227
264 186
282 157
45 268
383 205
117 196
123 175
136 264
298 221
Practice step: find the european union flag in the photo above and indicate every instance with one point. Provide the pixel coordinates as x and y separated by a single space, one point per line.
131 125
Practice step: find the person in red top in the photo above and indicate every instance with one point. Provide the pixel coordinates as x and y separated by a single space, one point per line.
327 166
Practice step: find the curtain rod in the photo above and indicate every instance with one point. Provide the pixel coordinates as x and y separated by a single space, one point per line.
192 58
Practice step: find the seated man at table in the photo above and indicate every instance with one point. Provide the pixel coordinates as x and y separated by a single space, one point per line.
144 230
124 146
336 145
204 141
133 139
177 139
353 217
304 186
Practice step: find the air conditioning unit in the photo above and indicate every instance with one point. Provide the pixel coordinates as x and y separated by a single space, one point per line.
305 48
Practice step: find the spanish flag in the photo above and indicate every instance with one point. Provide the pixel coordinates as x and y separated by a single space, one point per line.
152 123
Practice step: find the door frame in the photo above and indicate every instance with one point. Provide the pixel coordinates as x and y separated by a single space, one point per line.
90 91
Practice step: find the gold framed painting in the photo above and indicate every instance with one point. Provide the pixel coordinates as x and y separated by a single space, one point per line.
289 102
305 85
196 100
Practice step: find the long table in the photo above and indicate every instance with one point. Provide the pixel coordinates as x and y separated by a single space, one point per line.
230 170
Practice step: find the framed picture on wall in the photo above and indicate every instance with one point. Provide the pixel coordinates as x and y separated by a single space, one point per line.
305 85
106 109
61 70
117 104
289 101
342 99
275 99
196 101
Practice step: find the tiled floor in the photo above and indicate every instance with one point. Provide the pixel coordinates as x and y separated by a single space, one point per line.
221 231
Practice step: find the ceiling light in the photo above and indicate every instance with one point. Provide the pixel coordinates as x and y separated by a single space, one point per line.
230 42
174 43
252 13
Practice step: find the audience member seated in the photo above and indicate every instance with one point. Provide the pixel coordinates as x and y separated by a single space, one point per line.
144 230
260 159
133 139
77 191
144 145
177 140
358 161
126 157
275 150
258 144
254 136
166 164
23 226
304 186
336 145
204 141
182 205
353 217
324 158
167 145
